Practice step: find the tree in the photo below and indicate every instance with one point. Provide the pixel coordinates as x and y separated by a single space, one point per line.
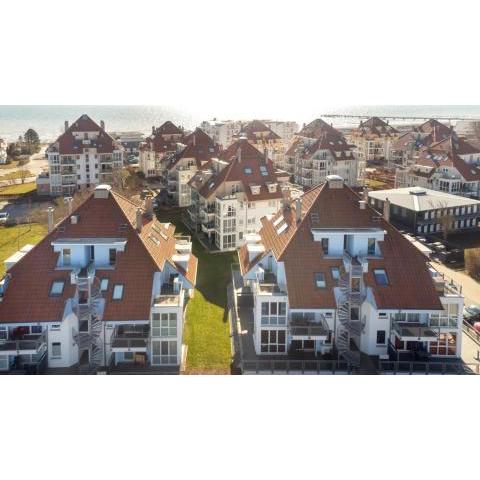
32 141
446 220
472 262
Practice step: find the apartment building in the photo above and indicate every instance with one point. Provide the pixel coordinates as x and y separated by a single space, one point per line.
264 139
408 144
319 150
330 276
106 287
83 156
427 211
155 152
373 140
451 165
228 200
221 132
197 155
3 151
130 141
285 129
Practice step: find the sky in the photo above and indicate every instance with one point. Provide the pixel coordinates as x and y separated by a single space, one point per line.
240 58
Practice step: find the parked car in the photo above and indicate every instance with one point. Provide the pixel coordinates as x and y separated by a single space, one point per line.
471 314
476 327
4 217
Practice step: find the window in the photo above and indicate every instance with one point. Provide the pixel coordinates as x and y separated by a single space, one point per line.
55 326
112 256
274 313
381 337
56 350
67 257
380 276
325 246
104 284
117 292
335 273
247 170
36 329
164 352
272 341
320 280
371 246
57 288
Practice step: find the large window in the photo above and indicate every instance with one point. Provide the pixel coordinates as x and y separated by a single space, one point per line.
229 241
164 325
381 337
446 344
272 341
229 225
164 352
274 313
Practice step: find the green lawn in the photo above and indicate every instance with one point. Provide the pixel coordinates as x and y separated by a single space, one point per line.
20 189
13 238
207 332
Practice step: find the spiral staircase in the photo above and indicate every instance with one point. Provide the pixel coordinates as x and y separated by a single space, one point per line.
87 306
349 328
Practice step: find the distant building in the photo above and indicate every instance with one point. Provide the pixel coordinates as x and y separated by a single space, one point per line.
130 141
264 139
407 146
195 156
155 151
329 276
319 150
106 287
3 151
221 131
43 184
451 165
83 156
426 211
286 130
373 140
228 200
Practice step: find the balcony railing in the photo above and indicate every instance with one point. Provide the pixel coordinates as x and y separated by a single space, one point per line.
414 332
26 345
130 338
306 328
171 295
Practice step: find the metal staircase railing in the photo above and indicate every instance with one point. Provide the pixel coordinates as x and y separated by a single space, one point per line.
349 327
87 308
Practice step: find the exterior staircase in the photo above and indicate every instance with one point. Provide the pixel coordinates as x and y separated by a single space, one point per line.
349 328
87 307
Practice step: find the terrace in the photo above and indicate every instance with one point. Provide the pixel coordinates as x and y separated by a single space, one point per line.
130 338
171 295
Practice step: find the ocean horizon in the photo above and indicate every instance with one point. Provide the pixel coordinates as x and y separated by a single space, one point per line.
48 120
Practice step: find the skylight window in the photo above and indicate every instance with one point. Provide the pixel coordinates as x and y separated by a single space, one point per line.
320 280
247 170
57 288
380 276
117 292
278 221
263 170
335 273
282 228
104 284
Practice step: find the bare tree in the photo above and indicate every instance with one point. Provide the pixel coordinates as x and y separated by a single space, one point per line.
472 262
446 219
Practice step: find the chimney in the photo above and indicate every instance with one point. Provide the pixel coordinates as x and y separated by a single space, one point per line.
365 194
194 139
239 155
102 124
139 219
265 154
298 210
50 211
69 202
386 210
363 204
66 125
149 206
153 129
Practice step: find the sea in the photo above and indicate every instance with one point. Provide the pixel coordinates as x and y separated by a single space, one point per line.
48 120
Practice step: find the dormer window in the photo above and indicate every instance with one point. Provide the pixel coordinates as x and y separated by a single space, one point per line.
57 288
325 246
371 246
380 276
67 257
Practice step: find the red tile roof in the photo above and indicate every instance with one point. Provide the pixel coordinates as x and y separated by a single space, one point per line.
168 128
67 144
317 128
410 285
375 127
27 296
252 129
242 157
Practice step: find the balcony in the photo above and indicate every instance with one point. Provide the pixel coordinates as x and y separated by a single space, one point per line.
69 180
130 338
302 329
266 284
171 295
69 161
414 332
208 227
24 345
